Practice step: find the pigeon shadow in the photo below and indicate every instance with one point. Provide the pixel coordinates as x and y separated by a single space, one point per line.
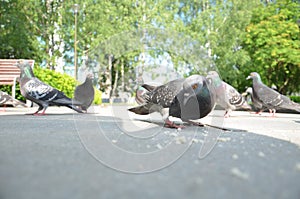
186 124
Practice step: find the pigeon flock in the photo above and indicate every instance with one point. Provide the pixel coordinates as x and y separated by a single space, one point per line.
188 98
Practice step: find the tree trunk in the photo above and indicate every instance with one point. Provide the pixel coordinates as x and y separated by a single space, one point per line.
109 78
122 76
115 85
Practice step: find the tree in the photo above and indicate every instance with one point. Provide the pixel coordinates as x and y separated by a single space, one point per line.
273 43
15 40
220 27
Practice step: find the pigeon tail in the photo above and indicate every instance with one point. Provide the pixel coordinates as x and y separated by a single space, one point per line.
291 106
148 87
140 95
144 109
71 106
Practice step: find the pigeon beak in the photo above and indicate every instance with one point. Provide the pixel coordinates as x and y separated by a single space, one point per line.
187 97
249 77
244 94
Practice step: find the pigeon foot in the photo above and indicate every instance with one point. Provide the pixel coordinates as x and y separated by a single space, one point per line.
227 114
170 124
39 114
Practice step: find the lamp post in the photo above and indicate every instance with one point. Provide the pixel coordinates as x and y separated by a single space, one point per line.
76 8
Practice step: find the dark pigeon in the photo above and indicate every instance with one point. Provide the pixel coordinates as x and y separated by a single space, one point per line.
227 96
270 98
141 93
40 93
85 92
187 99
257 105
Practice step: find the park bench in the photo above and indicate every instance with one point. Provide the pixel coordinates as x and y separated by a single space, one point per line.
9 73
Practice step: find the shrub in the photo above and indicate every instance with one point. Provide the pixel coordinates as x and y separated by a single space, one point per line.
98 97
295 98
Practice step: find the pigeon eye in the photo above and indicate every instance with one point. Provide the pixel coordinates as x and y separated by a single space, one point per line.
195 86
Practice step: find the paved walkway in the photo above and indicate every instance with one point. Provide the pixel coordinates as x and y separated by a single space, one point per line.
282 126
63 155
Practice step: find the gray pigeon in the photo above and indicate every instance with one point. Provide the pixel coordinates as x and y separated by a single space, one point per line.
85 92
227 96
40 93
187 99
4 97
270 98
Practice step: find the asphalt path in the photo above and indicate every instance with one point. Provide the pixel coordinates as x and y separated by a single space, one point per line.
109 153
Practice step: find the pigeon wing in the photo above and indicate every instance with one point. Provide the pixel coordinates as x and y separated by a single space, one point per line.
34 88
164 95
267 96
234 97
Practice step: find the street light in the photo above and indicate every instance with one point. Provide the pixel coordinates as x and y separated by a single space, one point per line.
75 8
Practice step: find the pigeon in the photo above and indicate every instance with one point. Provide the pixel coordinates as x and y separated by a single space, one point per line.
227 96
257 105
84 93
187 99
141 93
4 97
270 98
41 93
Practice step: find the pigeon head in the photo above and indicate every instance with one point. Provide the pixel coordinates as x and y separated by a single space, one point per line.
193 82
254 76
90 76
212 74
20 64
26 70
192 86
214 78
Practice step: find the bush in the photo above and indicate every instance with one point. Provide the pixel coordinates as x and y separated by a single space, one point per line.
295 98
62 82
98 97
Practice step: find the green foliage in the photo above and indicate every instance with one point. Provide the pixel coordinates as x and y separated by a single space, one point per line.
220 27
237 36
273 43
295 98
97 97
14 38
